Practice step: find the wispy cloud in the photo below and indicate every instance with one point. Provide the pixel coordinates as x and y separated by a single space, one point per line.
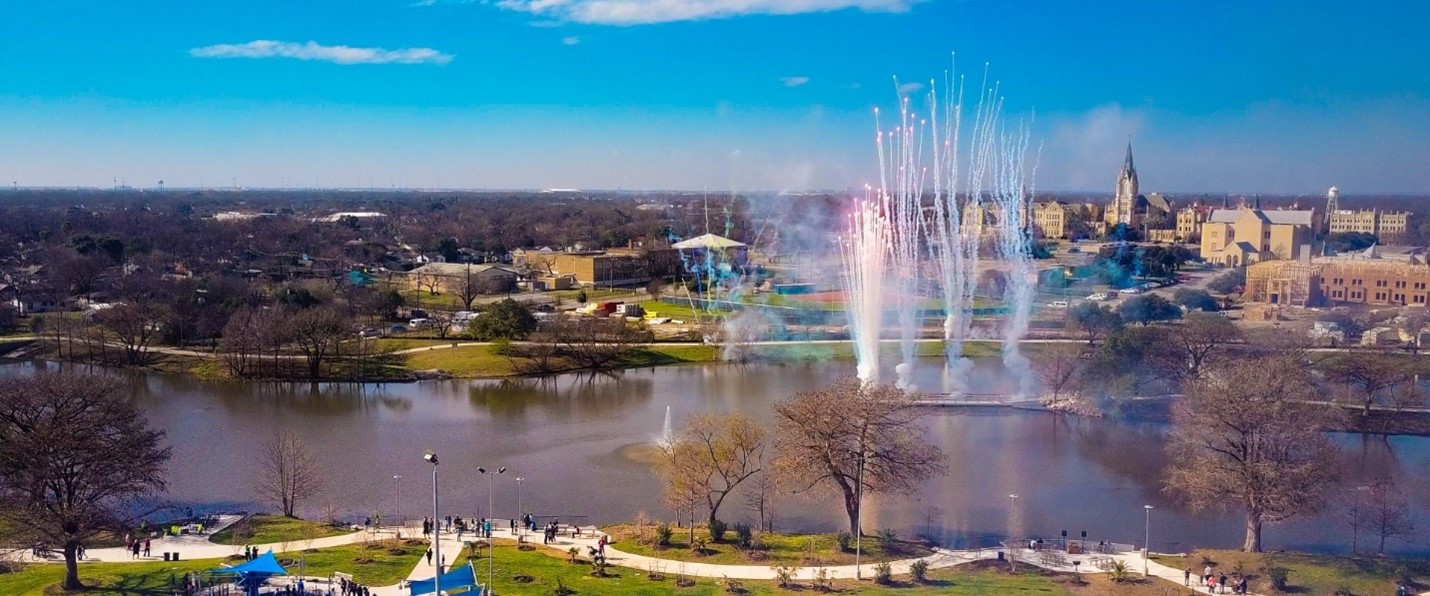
794 81
264 48
570 40
642 12
908 88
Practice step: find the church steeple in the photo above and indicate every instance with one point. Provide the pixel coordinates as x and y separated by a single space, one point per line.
1127 165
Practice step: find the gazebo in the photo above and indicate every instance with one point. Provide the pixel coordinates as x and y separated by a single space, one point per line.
253 573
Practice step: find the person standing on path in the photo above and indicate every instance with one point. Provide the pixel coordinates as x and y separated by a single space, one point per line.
429 557
146 547
1187 577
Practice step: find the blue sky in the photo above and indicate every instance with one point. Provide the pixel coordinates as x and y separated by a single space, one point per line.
719 94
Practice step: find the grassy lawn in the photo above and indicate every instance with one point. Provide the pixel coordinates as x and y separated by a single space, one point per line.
377 564
539 572
682 312
269 529
466 361
1310 574
657 354
801 549
393 344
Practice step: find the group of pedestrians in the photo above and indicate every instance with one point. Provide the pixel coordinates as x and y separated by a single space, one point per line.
135 546
347 587
1217 583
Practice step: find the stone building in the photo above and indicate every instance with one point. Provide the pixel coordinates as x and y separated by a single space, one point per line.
1339 280
1236 237
1124 206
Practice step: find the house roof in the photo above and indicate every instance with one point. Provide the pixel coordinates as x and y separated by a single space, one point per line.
451 269
707 241
1275 216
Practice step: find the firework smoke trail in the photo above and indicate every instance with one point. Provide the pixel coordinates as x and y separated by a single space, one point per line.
1010 194
901 198
951 252
865 254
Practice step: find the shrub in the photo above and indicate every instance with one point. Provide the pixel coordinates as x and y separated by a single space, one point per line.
845 539
888 535
663 534
717 530
733 586
561 589
744 535
699 545
1118 572
784 574
1280 577
919 570
575 553
884 574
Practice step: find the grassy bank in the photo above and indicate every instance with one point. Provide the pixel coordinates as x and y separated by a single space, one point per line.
1309 574
376 563
270 529
775 549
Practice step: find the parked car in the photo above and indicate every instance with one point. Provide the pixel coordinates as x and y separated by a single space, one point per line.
1058 304
1132 290
1099 296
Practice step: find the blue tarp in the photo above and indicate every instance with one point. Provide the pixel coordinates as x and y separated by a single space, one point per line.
265 565
456 579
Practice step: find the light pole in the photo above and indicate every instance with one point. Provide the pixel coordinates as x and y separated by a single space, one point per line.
1012 540
397 500
431 457
522 530
492 521
1146 539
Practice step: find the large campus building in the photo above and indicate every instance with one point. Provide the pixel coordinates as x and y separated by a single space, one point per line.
1237 237
1376 277
1388 226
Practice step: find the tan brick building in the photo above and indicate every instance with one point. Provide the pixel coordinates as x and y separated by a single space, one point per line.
1337 280
1387 226
1236 237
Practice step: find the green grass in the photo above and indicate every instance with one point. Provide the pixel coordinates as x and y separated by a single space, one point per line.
384 563
546 567
682 312
269 529
466 361
779 548
1310 574
394 344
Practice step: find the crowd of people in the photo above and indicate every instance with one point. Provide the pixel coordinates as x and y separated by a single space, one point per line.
1217 583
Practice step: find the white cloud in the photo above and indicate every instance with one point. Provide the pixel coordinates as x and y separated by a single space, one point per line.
642 12
794 81
909 88
312 50
570 40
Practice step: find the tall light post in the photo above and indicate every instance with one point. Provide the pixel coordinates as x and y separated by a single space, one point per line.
490 520
1146 539
397 500
431 458
1012 540
519 511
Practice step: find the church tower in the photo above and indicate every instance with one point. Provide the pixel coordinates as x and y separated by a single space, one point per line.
1121 210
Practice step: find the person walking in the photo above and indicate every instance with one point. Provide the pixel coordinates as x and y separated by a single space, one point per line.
429 557
1221 581
146 547
1187 577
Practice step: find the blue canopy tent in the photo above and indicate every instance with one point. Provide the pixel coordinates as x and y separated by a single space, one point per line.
463 577
253 573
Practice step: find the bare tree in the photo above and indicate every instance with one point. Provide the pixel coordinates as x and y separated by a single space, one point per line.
135 326
317 331
1369 375
760 498
715 453
467 284
1245 434
287 473
1058 366
1201 338
828 439
242 342
76 458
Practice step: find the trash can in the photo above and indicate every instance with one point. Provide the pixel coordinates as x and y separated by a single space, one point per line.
166 556
1000 555
176 555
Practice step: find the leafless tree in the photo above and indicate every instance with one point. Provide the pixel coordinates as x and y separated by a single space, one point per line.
824 437
467 284
242 343
425 280
317 331
1058 366
760 498
76 458
1369 375
714 454
1246 434
135 325
287 473
1201 338
1380 509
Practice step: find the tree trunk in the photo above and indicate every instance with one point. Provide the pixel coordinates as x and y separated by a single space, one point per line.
1253 534
72 566
851 507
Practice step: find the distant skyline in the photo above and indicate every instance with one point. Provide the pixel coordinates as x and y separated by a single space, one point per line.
776 95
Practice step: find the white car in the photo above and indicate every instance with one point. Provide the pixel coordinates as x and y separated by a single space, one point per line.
1058 304
1099 296
1131 291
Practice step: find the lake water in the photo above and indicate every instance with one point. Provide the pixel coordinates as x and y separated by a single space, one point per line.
568 437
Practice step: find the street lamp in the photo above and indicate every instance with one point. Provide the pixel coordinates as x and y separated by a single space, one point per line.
1146 539
490 520
431 458
1012 540
519 511
397 500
